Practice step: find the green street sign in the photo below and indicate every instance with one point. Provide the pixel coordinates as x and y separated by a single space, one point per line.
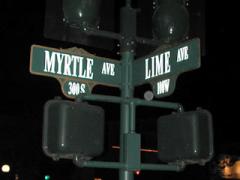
162 67
77 70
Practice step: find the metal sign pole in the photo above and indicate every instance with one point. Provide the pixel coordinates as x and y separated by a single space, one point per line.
126 125
127 120
129 140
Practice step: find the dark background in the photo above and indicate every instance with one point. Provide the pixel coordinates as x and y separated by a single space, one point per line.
214 87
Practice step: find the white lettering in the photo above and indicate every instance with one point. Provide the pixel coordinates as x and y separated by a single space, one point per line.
112 73
159 65
89 68
75 88
108 69
167 65
70 65
60 60
82 72
163 86
83 88
182 54
75 61
67 64
49 62
147 71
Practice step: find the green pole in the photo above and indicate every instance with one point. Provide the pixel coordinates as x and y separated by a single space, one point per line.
127 119
126 125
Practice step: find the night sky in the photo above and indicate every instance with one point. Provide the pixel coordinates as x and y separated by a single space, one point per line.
214 87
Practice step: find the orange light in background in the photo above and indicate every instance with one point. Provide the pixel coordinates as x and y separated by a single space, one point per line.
227 171
230 171
98 179
236 167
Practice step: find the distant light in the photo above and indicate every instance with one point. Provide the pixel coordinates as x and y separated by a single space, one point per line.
80 14
228 169
46 177
137 172
5 168
97 178
150 150
16 177
237 168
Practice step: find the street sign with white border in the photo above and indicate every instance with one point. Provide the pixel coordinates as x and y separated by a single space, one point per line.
162 67
77 70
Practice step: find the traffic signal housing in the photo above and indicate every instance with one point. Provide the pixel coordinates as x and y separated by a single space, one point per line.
185 137
170 21
83 13
67 21
72 129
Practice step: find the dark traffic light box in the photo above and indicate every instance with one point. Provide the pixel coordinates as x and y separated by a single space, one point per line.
186 137
72 129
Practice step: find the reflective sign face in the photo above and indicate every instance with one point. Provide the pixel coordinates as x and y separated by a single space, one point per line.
162 67
77 71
